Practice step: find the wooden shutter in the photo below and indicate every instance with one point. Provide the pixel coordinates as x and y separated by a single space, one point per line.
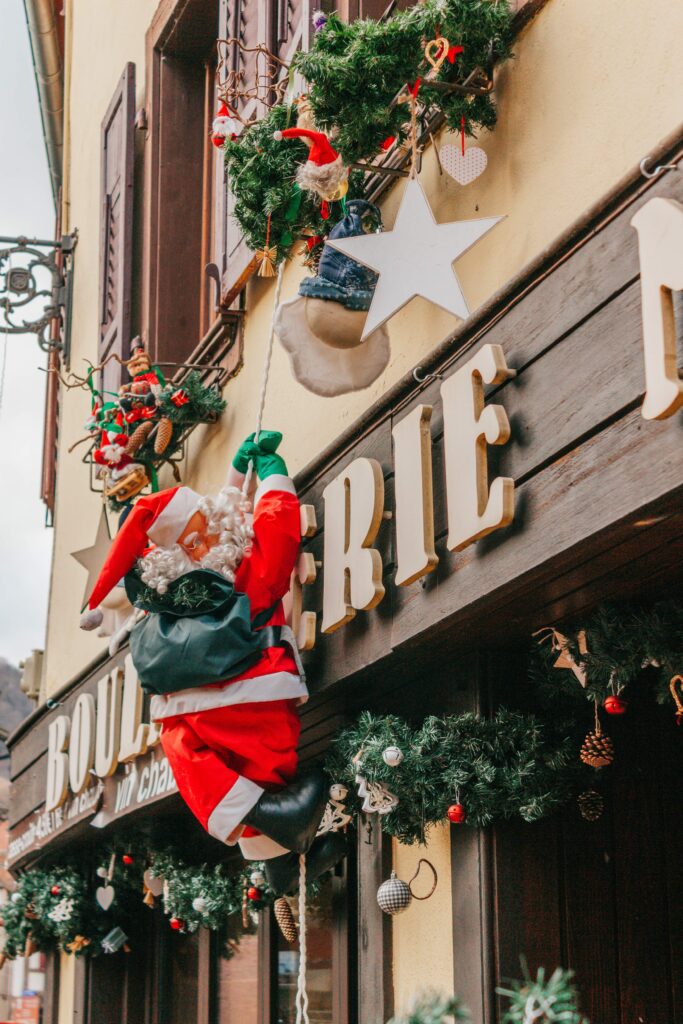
116 247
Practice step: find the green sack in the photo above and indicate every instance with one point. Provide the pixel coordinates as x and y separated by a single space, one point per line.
175 648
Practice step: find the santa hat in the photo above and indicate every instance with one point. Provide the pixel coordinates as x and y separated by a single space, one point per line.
159 518
323 172
320 153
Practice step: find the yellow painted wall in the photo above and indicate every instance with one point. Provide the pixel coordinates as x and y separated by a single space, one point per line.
423 934
592 89
67 988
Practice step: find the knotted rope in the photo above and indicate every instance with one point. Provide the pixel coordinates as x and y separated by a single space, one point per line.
301 993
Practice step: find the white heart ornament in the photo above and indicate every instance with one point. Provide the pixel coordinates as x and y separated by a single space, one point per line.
105 896
463 168
153 883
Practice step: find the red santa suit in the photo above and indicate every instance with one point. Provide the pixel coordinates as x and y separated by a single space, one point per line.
228 742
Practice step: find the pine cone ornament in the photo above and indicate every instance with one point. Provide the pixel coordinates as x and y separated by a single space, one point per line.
138 437
285 919
591 805
164 433
597 750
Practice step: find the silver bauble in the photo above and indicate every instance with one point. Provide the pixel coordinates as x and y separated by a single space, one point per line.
338 791
392 756
199 904
257 879
394 895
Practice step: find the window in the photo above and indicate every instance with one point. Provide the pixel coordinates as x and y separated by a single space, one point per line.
330 945
185 172
116 236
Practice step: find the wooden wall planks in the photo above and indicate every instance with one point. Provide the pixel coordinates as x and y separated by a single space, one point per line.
585 463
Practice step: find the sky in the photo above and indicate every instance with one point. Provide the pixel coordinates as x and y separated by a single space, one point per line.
26 208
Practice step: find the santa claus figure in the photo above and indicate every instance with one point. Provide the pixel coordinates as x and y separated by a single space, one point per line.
221 664
225 126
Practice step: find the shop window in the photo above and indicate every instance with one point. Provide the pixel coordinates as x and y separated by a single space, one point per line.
330 940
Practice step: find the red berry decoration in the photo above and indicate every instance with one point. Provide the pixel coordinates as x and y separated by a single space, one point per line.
176 924
55 890
615 705
253 893
128 859
456 814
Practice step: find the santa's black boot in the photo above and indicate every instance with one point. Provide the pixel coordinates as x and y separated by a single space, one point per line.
291 816
282 873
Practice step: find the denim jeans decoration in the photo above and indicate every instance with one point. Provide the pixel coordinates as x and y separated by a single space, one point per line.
339 278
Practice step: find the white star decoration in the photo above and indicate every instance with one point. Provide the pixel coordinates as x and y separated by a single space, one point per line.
416 258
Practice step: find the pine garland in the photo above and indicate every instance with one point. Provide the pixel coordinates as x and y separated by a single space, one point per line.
510 765
355 70
261 175
204 405
622 641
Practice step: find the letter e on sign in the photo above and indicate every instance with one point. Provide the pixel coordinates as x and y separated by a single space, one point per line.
474 510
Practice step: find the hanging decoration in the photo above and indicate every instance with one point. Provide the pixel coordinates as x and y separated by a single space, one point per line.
357 75
597 750
394 896
323 327
591 805
133 432
262 178
415 258
608 653
356 70
284 916
512 764
463 167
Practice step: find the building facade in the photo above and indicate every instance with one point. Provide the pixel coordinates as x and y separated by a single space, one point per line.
560 293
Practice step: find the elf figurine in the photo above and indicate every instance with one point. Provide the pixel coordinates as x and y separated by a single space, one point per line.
222 666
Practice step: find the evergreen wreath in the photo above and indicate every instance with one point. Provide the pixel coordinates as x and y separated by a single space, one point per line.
355 70
261 176
621 642
510 765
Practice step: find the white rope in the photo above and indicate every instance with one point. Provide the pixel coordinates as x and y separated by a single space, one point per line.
301 993
266 373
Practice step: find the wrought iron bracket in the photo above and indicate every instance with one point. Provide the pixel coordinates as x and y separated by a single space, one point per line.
21 259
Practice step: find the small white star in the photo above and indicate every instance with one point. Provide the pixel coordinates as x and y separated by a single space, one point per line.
416 258
92 558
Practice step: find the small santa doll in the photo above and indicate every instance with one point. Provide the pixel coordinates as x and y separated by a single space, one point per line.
222 666
323 172
225 126
111 453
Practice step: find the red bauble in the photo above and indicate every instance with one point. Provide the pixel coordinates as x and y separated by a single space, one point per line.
253 893
456 814
615 705
128 859
176 924
55 890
